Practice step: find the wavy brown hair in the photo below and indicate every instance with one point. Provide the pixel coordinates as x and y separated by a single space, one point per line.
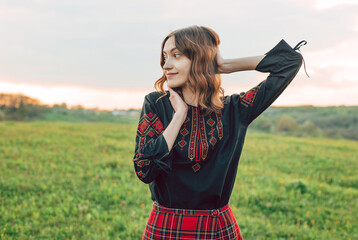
200 45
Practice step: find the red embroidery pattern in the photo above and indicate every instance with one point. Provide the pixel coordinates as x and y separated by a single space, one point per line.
141 174
211 122
196 139
219 126
142 163
213 141
196 167
249 97
158 125
149 126
204 142
193 134
182 143
184 132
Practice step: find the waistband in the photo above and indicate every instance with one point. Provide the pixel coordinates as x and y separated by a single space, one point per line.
178 211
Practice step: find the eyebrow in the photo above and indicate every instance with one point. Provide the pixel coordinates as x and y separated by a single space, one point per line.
170 50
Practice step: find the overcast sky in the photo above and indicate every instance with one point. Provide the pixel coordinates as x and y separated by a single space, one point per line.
105 54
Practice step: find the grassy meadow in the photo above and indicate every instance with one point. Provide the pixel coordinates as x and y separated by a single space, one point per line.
77 181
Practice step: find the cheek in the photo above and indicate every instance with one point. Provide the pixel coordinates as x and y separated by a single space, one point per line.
187 67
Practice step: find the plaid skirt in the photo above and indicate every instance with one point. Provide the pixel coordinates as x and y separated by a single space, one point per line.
171 223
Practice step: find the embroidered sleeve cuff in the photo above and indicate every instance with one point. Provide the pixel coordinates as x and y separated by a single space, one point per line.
157 152
278 58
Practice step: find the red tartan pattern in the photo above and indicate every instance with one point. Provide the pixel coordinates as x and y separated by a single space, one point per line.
248 98
179 224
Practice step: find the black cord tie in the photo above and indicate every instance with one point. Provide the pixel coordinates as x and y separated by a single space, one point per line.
303 42
297 47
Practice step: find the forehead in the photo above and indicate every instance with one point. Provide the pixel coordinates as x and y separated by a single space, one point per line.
169 45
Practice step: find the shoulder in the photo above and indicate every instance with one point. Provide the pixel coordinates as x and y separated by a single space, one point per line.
233 98
156 96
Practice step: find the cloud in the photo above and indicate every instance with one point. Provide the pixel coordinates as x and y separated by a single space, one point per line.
324 4
334 67
106 45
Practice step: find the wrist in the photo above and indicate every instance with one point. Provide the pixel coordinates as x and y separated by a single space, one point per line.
225 66
241 64
180 114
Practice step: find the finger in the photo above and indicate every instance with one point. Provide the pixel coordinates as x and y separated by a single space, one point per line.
172 90
172 93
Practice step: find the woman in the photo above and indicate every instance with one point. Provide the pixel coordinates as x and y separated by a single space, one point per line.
190 138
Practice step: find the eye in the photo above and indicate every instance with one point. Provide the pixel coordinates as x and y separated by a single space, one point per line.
177 54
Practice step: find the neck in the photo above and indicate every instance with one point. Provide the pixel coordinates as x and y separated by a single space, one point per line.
190 97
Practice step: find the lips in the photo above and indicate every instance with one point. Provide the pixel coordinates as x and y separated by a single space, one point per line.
171 74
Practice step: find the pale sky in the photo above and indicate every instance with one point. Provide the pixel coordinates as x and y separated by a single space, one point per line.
105 54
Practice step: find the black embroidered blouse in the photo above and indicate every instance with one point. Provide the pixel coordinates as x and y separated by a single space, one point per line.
199 172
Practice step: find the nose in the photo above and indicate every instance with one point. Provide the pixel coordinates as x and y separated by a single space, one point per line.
168 64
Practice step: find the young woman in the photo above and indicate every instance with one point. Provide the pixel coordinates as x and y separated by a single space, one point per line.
190 138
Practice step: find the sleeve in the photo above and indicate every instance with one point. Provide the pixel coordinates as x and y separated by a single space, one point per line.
283 63
151 156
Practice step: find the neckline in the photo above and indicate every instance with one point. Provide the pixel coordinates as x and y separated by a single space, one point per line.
192 105
184 101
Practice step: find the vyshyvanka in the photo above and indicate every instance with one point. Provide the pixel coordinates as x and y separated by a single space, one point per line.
199 172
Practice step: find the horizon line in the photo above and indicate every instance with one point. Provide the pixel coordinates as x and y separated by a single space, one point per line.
71 106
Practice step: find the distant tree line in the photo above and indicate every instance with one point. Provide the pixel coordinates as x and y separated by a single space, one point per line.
332 122
17 107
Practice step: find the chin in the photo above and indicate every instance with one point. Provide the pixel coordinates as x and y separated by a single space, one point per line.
175 84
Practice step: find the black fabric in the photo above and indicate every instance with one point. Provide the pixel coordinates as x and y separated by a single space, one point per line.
200 170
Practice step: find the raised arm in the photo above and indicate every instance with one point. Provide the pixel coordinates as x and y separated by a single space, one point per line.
237 64
282 62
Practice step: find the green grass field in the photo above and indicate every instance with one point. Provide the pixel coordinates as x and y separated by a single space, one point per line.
77 181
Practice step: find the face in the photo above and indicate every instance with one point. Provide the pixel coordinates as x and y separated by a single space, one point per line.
177 66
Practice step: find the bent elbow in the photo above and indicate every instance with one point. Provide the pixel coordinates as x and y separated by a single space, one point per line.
144 177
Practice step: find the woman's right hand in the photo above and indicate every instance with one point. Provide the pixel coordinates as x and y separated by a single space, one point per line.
221 63
177 102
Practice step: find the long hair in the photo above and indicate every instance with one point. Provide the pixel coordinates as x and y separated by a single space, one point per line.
200 45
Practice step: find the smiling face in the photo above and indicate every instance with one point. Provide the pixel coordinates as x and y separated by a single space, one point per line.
177 66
